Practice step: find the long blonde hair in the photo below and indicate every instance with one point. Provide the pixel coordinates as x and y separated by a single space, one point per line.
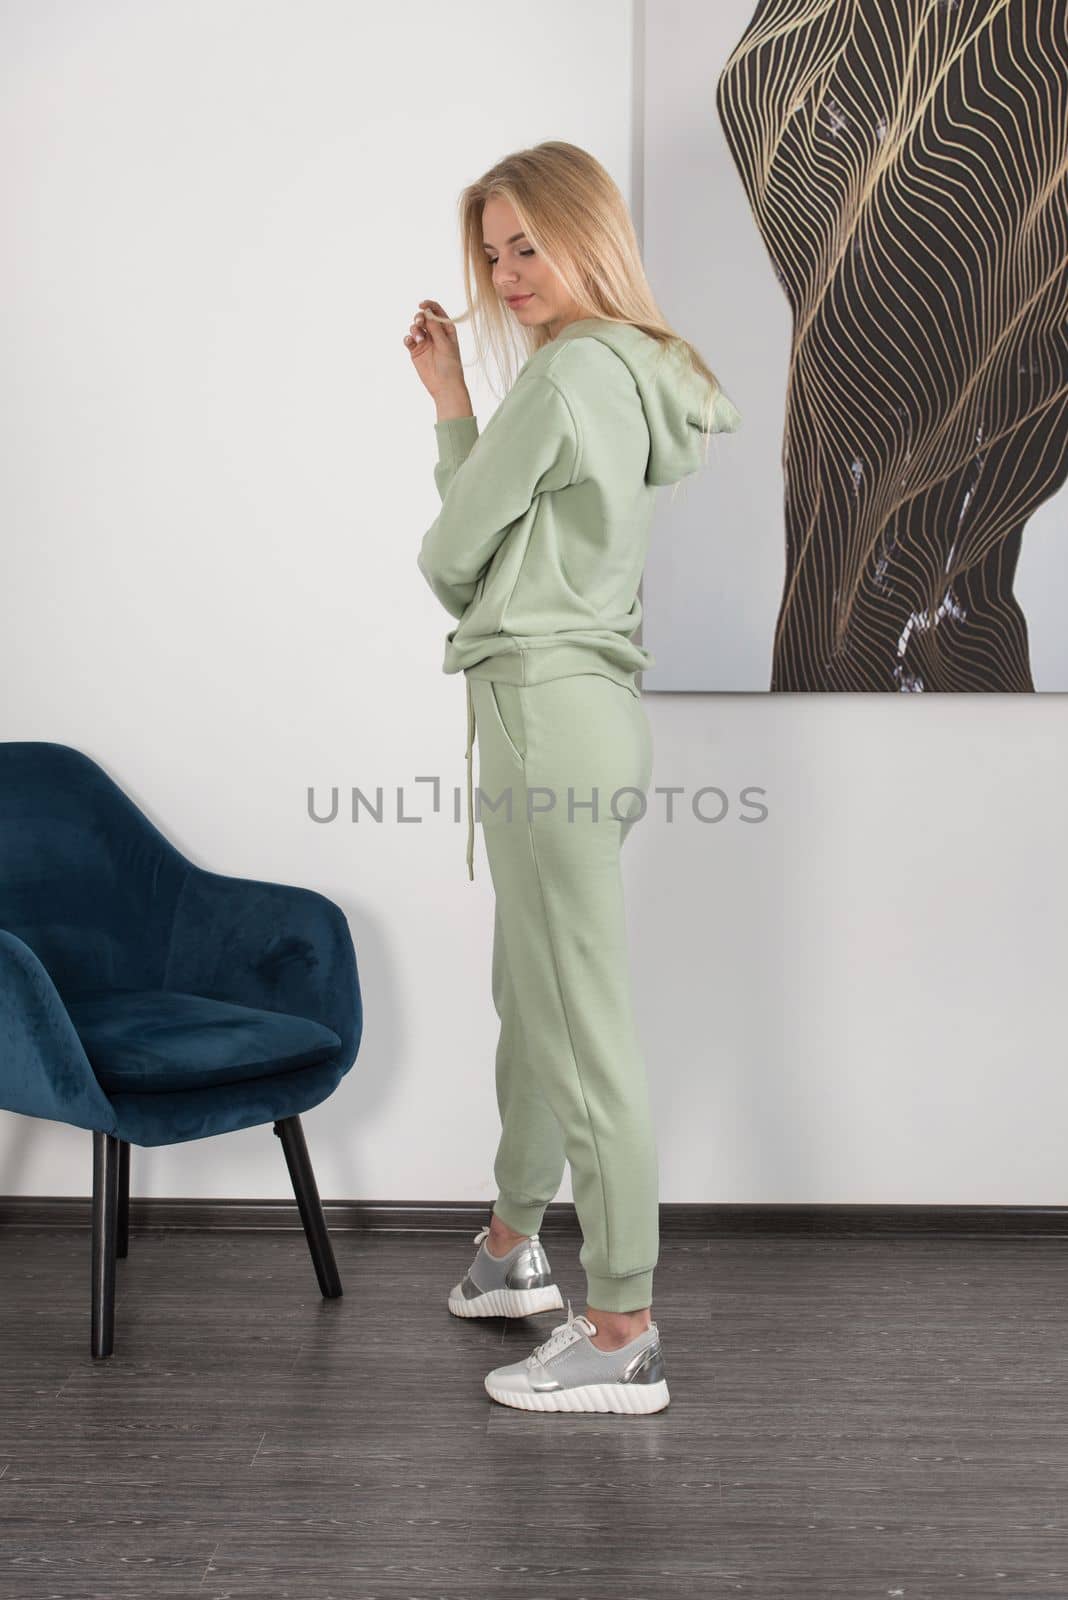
575 216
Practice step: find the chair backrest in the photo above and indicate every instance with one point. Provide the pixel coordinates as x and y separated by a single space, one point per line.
86 880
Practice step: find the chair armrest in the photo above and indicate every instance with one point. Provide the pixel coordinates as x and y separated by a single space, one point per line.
273 945
44 1071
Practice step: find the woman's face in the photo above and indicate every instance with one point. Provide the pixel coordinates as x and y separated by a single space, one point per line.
518 271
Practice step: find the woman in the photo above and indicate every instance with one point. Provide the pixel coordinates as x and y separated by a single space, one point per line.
538 551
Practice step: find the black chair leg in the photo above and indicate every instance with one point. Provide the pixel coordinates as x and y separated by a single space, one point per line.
291 1133
105 1218
122 1234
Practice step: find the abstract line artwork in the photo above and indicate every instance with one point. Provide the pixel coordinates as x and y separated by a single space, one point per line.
906 162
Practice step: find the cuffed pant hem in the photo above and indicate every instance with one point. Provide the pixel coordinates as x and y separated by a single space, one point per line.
632 1293
525 1216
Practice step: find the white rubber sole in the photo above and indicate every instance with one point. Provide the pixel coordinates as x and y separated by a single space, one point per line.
629 1399
508 1302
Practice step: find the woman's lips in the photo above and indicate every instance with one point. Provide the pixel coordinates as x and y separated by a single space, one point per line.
519 299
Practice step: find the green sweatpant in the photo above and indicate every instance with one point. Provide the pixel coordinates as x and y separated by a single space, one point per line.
570 1076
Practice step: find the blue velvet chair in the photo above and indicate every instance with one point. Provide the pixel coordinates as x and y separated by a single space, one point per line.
155 1002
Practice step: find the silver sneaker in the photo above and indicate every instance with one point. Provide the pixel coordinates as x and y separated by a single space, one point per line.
568 1373
515 1285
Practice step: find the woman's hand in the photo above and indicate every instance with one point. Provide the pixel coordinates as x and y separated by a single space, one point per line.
434 346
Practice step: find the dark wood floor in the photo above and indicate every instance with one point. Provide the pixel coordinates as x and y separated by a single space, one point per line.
851 1419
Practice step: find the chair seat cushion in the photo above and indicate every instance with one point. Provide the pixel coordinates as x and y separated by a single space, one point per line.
146 1040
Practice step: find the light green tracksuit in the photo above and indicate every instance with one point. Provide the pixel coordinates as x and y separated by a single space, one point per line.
538 551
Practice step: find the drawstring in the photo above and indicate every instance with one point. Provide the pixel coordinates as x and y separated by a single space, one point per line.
470 758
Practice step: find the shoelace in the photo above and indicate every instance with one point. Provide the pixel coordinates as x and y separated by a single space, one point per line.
564 1334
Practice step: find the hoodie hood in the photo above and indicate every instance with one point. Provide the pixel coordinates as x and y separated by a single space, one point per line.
672 396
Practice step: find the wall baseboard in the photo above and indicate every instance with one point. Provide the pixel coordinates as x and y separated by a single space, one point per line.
678 1221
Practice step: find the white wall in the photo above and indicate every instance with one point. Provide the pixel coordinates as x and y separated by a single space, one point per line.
219 469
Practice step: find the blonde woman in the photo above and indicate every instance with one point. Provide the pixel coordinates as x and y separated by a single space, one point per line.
538 552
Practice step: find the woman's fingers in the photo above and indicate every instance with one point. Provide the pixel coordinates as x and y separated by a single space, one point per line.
417 333
430 327
416 339
438 315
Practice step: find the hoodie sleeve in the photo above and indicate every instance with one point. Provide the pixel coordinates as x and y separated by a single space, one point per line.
455 436
529 446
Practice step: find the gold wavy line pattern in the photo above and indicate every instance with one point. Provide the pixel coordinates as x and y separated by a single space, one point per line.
906 162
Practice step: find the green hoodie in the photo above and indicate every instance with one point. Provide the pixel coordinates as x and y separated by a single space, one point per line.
544 525
541 540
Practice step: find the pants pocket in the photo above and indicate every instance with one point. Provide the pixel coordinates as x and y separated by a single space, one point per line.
509 709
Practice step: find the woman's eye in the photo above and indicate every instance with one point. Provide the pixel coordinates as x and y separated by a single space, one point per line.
493 259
